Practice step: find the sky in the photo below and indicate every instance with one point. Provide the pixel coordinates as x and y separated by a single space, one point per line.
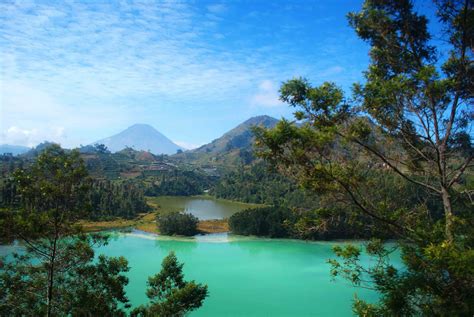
74 72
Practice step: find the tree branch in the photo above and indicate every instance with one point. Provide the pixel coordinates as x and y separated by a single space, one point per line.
461 170
393 167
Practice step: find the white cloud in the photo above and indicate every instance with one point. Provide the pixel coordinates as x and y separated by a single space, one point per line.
16 135
31 137
267 95
29 115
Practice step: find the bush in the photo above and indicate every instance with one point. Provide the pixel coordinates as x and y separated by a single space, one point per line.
176 223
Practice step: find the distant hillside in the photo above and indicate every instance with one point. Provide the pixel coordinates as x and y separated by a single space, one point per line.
233 148
35 151
141 137
13 149
240 137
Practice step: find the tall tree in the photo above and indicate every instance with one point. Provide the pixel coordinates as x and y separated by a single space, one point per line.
412 119
58 255
428 113
170 294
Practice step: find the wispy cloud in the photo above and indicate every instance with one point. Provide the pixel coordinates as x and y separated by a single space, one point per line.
82 53
267 95
104 50
78 64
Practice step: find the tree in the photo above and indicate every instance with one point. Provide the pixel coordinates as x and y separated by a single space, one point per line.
101 148
273 222
170 295
412 120
55 275
172 223
81 287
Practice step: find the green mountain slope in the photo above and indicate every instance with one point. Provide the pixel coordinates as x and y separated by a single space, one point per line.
240 137
232 149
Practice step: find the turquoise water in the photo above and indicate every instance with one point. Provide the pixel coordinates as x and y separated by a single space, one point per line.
245 276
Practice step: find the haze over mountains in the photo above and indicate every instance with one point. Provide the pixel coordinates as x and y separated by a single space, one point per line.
143 137
13 149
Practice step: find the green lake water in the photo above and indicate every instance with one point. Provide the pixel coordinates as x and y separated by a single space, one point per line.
203 207
245 276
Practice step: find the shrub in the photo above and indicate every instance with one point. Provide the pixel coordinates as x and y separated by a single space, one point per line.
177 223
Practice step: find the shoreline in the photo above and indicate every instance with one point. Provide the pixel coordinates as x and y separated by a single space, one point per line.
227 237
147 223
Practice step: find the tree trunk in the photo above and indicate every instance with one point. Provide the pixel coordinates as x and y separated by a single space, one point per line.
51 280
448 214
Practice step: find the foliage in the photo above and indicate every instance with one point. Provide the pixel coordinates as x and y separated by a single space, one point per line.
108 199
176 223
433 281
53 275
268 221
258 184
81 287
101 148
332 216
170 294
52 194
103 198
410 120
177 183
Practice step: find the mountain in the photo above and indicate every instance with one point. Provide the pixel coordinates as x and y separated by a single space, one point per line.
240 137
140 137
230 150
13 149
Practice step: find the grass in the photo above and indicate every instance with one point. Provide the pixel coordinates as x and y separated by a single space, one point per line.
213 226
94 226
146 222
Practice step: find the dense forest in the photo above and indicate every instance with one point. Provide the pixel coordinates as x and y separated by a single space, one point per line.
333 216
177 183
105 199
258 183
109 199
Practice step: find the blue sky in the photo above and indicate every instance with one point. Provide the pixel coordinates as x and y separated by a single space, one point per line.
75 72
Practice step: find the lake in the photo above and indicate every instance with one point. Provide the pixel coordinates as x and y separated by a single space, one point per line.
203 207
246 276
